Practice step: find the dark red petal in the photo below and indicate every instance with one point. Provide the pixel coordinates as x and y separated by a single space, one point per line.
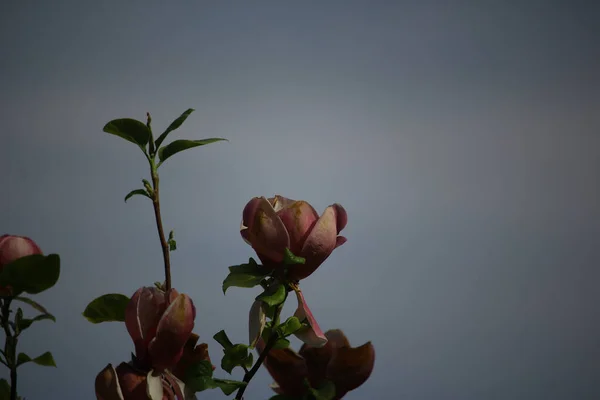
299 219
351 367
288 369
263 229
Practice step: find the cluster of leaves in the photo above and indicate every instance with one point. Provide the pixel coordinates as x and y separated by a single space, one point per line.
138 133
32 275
274 333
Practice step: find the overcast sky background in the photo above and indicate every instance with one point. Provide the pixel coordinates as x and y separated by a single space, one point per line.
462 137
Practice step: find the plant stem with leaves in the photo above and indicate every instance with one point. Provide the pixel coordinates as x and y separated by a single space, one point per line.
261 358
156 204
10 347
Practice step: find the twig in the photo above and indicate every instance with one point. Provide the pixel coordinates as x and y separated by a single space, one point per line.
159 226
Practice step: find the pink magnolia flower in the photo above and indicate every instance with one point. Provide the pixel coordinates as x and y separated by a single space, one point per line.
12 248
160 324
337 362
125 382
272 225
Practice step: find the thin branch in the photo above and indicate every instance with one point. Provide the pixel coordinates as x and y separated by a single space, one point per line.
161 233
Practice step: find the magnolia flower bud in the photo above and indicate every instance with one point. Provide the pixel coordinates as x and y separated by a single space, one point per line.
272 225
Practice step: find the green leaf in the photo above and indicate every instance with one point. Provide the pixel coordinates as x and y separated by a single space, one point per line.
245 275
31 274
129 129
228 386
33 304
290 326
266 333
290 259
107 308
26 322
273 295
281 343
251 267
325 392
180 145
200 384
174 125
236 356
223 340
172 243
141 192
241 280
284 397
18 319
4 389
45 359
198 377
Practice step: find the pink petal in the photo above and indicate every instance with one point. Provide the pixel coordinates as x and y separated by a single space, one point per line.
318 246
257 321
299 219
172 333
279 202
312 335
132 381
341 216
337 338
340 240
14 247
264 229
142 315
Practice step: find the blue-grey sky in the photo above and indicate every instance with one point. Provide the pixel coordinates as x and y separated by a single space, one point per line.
462 137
